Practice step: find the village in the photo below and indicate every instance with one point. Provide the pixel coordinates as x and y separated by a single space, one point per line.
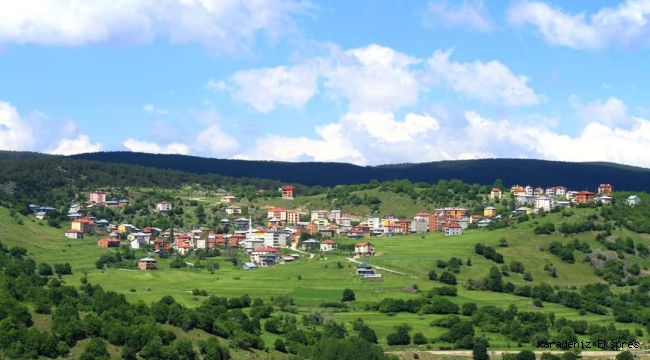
284 230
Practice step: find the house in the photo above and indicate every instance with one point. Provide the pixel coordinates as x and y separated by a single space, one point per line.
161 245
483 223
233 210
345 221
126 228
41 215
103 223
309 244
184 248
123 203
523 210
320 217
517 190
453 230
47 208
559 190
249 266
265 256
605 189
543 203
229 199
364 249
529 190
164 206
328 245
139 236
363 269
278 213
84 225
584 197
335 216
242 223
293 217
633 200
74 234
525 199
605 199
147 263
108 243
419 226
550 191
138 244
97 197
490 211
538 191
287 192
496 193
571 195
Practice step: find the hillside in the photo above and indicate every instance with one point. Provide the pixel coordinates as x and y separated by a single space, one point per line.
511 171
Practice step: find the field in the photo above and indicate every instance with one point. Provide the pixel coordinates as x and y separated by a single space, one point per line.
312 281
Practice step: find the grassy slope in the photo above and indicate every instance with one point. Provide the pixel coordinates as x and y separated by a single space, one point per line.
321 279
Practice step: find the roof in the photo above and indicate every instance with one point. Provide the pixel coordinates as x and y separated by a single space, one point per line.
633 197
74 231
249 264
605 186
364 266
362 244
147 259
103 221
584 192
453 226
329 241
311 241
490 208
496 190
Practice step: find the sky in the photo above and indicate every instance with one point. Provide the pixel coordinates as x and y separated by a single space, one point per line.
367 82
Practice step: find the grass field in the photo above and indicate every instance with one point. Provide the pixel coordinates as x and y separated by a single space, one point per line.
314 281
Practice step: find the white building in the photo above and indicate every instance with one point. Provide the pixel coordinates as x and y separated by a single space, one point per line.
529 190
374 223
320 217
633 200
233 210
559 190
543 203
453 230
328 245
550 191
275 239
525 199
164 206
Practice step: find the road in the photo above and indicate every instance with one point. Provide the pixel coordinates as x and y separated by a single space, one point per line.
381 268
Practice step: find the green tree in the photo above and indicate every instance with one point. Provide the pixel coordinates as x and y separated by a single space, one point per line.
348 295
95 350
479 352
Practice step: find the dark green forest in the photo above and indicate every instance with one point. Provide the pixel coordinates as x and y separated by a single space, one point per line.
575 176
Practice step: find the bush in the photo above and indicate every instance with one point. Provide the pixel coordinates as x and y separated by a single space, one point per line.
348 295
433 275
448 278
419 339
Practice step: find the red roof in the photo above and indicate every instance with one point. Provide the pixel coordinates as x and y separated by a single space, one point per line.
496 189
606 186
82 220
287 187
422 214
362 244
453 226
329 241
584 192
239 236
74 231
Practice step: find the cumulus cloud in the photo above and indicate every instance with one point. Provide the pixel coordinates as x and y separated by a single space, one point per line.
215 142
626 25
79 145
150 108
375 78
491 82
228 25
611 112
467 13
150 147
15 132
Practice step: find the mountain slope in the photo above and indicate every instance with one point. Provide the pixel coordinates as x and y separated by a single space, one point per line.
575 176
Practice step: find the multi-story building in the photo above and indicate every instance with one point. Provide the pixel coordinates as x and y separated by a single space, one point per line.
335 216
278 213
496 193
164 206
287 192
584 197
543 203
293 217
605 189
320 217
97 197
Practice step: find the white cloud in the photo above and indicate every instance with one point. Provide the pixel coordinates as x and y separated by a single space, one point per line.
491 82
227 24
216 142
267 88
15 132
79 145
626 25
612 112
149 147
150 108
468 13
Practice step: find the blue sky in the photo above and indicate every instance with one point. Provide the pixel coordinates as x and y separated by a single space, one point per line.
365 81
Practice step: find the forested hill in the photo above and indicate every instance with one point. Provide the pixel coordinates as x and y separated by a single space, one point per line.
511 171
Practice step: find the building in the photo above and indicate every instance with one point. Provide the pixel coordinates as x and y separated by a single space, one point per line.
293 217
229 199
287 192
164 206
529 190
584 197
84 225
605 198
108 243
103 223
453 230
320 217
364 249
74 234
265 256
363 269
517 190
335 216
633 200
97 197
538 191
559 190
419 226
490 211
249 266
571 195
41 215
605 189
310 244
496 193
279 214
543 203
525 199
147 263
233 210
328 245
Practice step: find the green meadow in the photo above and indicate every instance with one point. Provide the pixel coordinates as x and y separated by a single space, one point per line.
311 282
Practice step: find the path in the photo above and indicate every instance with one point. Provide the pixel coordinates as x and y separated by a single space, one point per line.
382 268
294 248
608 354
